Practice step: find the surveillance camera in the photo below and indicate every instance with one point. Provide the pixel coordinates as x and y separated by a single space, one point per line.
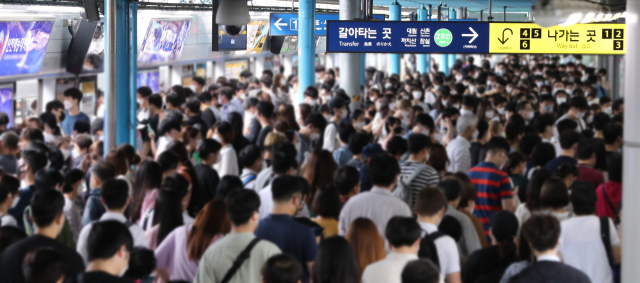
233 30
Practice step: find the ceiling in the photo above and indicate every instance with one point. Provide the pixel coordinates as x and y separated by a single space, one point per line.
472 5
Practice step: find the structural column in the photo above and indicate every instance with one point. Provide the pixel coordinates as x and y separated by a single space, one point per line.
631 157
306 45
133 69
421 59
350 66
395 10
116 131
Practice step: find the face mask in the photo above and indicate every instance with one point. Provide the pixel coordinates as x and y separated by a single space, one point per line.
16 200
327 117
556 90
344 113
67 104
417 95
509 89
547 108
580 114
472 207
312 102
65 153
140 101
458 78
472 89
124 270
475 135
456 106
314 136
425 132
607 110
82 188
500 110
254 92
360 125
465 83
372 113
215 137
378 106
590 119
388 86
530 115
392 105
465 111
283 82
539 84
488 114
561 100
444 102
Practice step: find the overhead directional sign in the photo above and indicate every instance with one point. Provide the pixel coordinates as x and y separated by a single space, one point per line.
287 23
474 37
407 37
598 38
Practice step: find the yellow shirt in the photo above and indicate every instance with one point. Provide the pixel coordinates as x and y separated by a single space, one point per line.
330 226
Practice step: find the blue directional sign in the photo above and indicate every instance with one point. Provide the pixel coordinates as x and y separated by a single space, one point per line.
287 23
407 37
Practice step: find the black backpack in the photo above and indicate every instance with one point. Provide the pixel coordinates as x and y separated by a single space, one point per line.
428 248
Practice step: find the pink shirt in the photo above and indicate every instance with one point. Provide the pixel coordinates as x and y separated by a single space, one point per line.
149 202
172 255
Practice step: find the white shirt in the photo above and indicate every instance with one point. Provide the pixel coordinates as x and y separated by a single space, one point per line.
227 163
388 270
549 258
143 114
266 202
163 142
8 220
459 155
581 246
447 249
330 141
139 239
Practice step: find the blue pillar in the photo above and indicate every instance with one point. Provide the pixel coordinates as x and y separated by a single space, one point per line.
452 13
421 59
452 60
362 67
394 59
444 64
133 67
306 45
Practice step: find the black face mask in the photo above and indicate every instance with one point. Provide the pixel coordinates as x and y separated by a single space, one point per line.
372 113
454 122
62 115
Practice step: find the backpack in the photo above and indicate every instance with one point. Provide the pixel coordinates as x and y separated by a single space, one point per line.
427 249
403 188
249 179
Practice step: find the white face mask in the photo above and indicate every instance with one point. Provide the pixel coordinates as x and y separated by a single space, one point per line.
561 100
509 89
580 114
444 102
392 105
140 101
590 119
344 113
556 90
425 132
379 106
314 136
500 110
360 125
465 111
456 106
488 114
417 95
372 98
530 115
312 102
475 135
607 110
539 84
327 117
67 104
388 86
472 89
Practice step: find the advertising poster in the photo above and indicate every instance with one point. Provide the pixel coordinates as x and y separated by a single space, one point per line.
22 46
257 32
232 69
163 41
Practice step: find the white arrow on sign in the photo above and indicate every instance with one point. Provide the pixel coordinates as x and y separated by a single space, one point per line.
473 34
278 24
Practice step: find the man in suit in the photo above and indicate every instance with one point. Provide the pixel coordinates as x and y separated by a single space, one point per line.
542 232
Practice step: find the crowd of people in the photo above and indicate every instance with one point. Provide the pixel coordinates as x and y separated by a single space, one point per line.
509 170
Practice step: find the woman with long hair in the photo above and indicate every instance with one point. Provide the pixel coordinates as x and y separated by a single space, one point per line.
366 242
228 159
335 262
167 215
133 159
288 115
319 172
488 264
179 254
145 189
118 158
190 137
438 158
532 204
184 164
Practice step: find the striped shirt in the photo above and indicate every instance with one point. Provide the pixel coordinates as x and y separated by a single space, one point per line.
492 186
459 153
427 177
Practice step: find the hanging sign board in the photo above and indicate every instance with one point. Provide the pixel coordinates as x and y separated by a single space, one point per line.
287 23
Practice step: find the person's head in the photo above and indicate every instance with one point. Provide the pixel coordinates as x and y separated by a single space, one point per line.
118 158
432 203
288 192
49 178
347 181
397 146
542 232
211 221
614 167
419 145
420 271
613 135
142 94
115 194
554 194
242 207
198 83
100 173
44 265
384 171
618 106
209 150
578 106
569 140
110 243
586 152
516 164
265 110
335 262
403 232
543 153
583 198
72 98
32 162
170 128
497 151
366 241
46 210
250 157
527 142
142 262
281 268
9 186
345 131
452 188
228 184
326 202
544 124
10 142
169 206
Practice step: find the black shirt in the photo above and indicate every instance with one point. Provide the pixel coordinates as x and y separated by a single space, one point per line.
13 256
476 150
102 277
263 135
485 265
197 122
208 117
208 180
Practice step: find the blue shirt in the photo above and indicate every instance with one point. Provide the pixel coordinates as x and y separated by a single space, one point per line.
553 164
291 237
342 155
69 121
94 209
24 201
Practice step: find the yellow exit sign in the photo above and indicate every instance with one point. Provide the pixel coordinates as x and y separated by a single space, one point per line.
576 39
